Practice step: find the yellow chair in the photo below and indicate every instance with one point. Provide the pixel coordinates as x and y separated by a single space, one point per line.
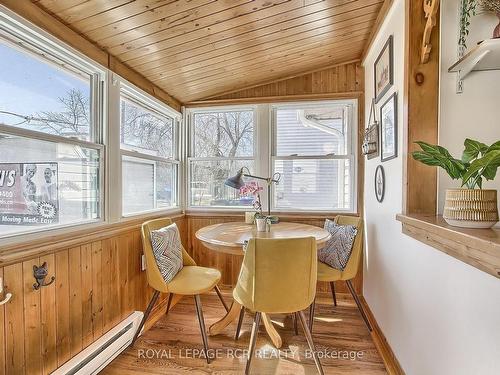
329 274
278 276
191 280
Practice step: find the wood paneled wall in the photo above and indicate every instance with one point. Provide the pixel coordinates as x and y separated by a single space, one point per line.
229 265
98 284
341 79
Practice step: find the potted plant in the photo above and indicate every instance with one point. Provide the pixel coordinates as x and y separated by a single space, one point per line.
471 206
494 7
468 9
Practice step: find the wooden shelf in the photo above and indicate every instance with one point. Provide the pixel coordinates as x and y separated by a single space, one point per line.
479 248
485 56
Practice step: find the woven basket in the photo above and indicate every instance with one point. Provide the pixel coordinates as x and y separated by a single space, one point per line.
471 208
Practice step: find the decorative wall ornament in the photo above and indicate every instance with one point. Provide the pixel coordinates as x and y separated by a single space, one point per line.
379 183
370 146
431 8
384 70
40 273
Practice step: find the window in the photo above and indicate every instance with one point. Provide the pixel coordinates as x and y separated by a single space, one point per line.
150 163
222 142
314 151
51 151
311 145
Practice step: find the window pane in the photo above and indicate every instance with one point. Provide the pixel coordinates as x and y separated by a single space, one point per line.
223 134
147 185
313 184
311 131
145 131
46 184
207 183
39 95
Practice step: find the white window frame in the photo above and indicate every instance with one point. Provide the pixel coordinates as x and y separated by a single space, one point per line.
264 151
40 45
189 119
149 103
351 154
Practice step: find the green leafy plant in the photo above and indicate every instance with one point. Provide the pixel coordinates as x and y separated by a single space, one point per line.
467 9
478 161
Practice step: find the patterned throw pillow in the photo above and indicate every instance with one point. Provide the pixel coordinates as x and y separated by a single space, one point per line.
167 250
337 250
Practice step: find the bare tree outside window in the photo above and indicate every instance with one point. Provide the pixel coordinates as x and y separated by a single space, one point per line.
226 138
145 131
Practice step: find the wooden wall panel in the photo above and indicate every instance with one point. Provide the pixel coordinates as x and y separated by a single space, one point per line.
14 320
229 265
48 322
32 328
340 79
98 283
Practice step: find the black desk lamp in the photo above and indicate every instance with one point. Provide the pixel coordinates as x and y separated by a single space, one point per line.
236 182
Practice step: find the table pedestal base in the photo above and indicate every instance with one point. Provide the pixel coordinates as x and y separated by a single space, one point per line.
232 315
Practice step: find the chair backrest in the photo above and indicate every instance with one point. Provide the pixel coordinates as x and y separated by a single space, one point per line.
352 266
278 275
155 279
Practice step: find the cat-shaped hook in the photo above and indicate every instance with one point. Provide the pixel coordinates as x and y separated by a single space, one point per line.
40 273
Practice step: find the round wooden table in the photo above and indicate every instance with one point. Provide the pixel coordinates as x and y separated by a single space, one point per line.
230 237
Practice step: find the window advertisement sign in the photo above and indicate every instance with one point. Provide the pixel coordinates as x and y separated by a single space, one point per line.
29 194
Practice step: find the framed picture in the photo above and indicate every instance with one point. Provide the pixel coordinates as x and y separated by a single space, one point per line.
379 183
384 70
389 128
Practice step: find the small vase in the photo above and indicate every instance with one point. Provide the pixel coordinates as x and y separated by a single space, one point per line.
471 208
496 32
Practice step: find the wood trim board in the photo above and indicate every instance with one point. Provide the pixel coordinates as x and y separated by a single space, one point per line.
479 248
390 360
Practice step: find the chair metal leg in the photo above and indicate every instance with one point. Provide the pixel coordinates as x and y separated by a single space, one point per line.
358 303
332 287
221 299
145 317
310 341
295 325
170 296
240 321
311 314
199 312
253 341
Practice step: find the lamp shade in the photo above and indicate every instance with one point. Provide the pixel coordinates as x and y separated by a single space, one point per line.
236 182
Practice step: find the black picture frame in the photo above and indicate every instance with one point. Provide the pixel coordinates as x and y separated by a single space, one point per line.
379 185
388 48
391 101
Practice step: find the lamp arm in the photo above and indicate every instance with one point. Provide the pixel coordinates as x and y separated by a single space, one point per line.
275 178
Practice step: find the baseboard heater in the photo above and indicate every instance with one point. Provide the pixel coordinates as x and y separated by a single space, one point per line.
94 358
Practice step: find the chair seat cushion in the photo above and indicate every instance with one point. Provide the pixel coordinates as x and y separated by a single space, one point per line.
193 280
337 250
327 273
167 249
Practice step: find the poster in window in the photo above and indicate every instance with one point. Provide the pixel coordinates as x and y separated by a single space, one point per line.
29 194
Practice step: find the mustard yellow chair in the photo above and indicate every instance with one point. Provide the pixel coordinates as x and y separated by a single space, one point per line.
278 276
329 274
191 280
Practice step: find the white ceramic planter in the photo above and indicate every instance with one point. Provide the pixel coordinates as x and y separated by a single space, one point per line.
471 208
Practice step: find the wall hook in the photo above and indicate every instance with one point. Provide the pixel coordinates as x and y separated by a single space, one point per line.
8 296
40 273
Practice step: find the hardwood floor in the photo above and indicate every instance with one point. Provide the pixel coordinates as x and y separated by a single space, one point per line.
173 344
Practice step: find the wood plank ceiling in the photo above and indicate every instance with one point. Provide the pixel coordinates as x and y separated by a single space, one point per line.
196 49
